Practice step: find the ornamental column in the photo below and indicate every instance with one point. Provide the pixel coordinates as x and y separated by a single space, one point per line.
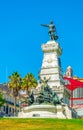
51 65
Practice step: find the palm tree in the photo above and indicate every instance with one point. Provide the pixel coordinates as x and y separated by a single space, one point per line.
28 82
14 85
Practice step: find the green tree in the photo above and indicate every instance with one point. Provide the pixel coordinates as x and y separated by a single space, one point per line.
2 100
14 85
29 82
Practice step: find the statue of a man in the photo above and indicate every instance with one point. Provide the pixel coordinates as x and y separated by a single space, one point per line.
51 31
44 82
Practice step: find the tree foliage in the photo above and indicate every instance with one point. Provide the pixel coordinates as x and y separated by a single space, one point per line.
2 100
28 82
15 83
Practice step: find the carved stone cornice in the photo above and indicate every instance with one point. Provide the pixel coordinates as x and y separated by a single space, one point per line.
52 47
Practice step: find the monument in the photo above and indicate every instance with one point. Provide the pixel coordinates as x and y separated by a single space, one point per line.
51 65
51 98
45 105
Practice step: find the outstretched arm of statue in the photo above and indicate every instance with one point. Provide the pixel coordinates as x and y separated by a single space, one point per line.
45 25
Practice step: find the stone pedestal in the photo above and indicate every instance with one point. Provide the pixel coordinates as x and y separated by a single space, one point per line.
45 111
51 67
60 112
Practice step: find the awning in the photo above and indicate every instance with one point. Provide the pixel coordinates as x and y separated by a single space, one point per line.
72 84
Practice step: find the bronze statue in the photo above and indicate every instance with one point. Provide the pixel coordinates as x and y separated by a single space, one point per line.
51 31
44 82
46 96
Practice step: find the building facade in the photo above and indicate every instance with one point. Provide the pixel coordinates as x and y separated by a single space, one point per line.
8 108
76 96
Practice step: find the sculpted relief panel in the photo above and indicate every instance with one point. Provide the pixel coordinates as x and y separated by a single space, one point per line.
50 61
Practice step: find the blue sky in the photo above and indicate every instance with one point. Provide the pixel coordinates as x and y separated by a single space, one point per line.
21 35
